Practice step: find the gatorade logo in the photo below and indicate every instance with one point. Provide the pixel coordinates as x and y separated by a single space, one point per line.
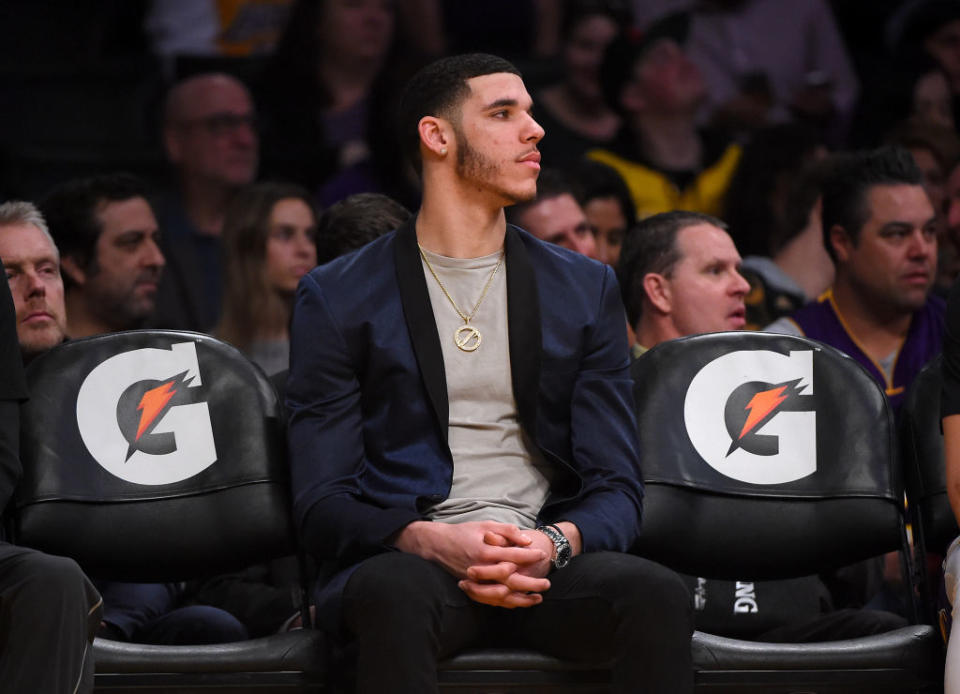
748 414
142 416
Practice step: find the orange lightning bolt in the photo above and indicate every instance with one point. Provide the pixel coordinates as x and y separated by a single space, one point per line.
152 404
761 405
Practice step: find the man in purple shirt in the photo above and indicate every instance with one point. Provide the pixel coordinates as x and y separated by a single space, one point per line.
880 230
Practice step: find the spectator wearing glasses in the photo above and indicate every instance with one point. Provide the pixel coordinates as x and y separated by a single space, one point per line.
210 139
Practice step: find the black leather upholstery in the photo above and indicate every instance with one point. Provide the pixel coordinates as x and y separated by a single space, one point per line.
159 456
922 446
505 670
780 508
697 522
846 509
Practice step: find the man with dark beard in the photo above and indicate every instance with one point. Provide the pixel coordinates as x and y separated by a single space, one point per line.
463 449
880 230
108 238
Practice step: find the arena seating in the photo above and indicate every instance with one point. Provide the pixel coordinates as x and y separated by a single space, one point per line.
158 456
933 522
95 408
769 456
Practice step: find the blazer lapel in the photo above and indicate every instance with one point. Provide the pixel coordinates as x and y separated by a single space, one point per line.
418 313
523 320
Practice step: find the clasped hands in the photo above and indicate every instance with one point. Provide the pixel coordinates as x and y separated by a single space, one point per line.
497 563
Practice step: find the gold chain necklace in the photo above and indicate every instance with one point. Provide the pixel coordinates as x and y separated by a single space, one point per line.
466 337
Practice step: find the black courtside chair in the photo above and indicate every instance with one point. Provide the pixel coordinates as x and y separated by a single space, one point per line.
159 456
934 525
766 457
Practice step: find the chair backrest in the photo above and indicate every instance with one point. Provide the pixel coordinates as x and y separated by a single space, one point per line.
922 452
764 456
153 456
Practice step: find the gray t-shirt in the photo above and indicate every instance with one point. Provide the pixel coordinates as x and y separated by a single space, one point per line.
498 474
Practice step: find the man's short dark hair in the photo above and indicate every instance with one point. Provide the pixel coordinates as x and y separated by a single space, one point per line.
71 212
651 246
802 197
439 89
356 221
848 180
597 181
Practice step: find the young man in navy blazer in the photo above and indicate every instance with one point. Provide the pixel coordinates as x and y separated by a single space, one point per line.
463 448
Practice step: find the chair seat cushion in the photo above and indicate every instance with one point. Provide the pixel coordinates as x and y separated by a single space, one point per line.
915 648
302 650
514 659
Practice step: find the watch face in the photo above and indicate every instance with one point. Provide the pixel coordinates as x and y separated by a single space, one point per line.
563 556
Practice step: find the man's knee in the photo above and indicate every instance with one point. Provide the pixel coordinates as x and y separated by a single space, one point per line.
395 575
35 574
635 583
399 588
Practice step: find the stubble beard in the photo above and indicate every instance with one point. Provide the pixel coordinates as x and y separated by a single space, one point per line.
474 166
122 308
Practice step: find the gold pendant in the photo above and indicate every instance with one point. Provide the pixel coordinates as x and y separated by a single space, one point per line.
467 338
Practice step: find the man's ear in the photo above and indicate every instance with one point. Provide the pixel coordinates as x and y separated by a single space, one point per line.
71 268
842 243
435 135
656 287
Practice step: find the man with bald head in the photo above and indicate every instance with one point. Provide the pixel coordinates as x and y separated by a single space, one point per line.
210 139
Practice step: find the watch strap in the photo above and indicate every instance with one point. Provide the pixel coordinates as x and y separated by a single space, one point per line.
561 545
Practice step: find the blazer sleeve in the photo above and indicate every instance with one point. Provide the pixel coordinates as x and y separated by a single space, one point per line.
950 394
13 391
327 454
603 431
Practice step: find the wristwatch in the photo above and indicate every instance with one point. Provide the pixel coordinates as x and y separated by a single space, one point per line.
561 545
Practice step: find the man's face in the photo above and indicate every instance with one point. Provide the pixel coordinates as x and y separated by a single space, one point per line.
496 139
609 226
119 285
933 176
560 220
356 29
944 46
932 100
33 271
952 205
705 288
892 265
213 137
583 54
667 80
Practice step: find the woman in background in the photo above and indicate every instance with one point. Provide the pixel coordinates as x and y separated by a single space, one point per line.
269 244
573 110
334 75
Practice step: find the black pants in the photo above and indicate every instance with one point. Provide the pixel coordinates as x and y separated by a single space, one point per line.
406 613
49 613
151 613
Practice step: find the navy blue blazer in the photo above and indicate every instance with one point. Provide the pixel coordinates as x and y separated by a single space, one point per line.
367 396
